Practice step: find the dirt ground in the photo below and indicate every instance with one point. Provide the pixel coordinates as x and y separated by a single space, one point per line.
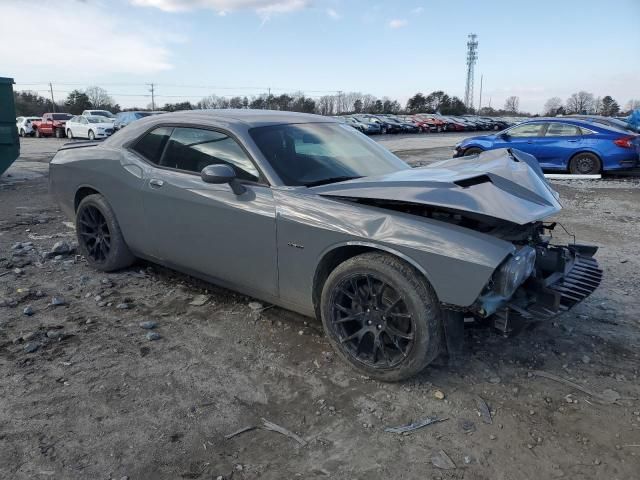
97 400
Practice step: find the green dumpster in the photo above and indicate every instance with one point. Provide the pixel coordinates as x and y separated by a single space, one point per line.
9 141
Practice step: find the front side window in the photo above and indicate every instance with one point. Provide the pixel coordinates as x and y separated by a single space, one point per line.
192 149
151 145
319 153
526 130
562 130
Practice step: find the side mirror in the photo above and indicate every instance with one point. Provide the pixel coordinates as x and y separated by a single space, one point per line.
221 173
504 135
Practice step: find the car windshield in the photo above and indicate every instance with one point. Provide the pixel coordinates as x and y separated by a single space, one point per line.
61 116
319 153
96 119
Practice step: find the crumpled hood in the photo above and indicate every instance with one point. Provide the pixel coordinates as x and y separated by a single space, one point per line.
504 183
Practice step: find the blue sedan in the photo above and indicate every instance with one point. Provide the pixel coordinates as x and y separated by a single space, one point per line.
564 144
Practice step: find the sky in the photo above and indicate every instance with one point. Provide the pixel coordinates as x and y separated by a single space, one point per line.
192 48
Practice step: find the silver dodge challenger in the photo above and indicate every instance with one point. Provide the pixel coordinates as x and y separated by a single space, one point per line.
307 213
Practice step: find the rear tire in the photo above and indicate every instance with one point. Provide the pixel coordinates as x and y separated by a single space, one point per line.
59 133
585 164
99 236
472 151
395 329
22 133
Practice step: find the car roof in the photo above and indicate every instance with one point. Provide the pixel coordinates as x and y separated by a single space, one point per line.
253 118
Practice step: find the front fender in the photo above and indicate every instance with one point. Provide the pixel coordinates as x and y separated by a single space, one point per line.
458 262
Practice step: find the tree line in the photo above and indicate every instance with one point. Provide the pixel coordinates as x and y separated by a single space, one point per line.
94 97
586 103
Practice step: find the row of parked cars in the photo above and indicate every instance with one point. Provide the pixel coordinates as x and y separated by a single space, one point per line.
91 124
424 123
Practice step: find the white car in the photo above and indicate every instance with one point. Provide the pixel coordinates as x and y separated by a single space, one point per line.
88 126
24 125
100 113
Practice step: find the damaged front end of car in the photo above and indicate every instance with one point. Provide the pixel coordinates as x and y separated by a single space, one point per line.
501 194
538 281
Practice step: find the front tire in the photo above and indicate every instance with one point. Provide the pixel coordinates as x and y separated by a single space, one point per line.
472 151
38 135
381 316
70 134
585 164
91 135
59 133
22 133
99 236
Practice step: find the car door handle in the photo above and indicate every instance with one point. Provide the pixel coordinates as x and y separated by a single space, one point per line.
156 183
572 141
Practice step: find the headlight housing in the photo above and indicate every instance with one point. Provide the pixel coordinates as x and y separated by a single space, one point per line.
514 271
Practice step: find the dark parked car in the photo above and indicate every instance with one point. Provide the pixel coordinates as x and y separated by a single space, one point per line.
369 128
385 127
306 213
125 118
564 144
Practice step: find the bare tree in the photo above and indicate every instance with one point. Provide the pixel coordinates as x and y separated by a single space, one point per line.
552 106
99 97
596 108
511 104
633 104
368 103
581 102
213 101
327 105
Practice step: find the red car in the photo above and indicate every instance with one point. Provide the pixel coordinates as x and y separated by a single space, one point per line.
52 124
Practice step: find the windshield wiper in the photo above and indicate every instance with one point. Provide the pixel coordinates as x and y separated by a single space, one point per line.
325 181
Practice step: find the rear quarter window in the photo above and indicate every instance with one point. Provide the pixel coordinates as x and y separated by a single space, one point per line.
151 144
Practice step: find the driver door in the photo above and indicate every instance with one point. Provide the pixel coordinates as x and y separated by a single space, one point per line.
523 137
207 228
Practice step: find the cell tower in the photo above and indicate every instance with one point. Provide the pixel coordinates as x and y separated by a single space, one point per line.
472 56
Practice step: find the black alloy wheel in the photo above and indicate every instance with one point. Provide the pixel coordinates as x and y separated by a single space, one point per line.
372 321
94 232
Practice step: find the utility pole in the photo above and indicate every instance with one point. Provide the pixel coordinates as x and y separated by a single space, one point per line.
269 99
53 102
480 102
153 95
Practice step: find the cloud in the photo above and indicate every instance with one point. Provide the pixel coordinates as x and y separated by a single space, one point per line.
81 39
333 14
262 7
398 23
